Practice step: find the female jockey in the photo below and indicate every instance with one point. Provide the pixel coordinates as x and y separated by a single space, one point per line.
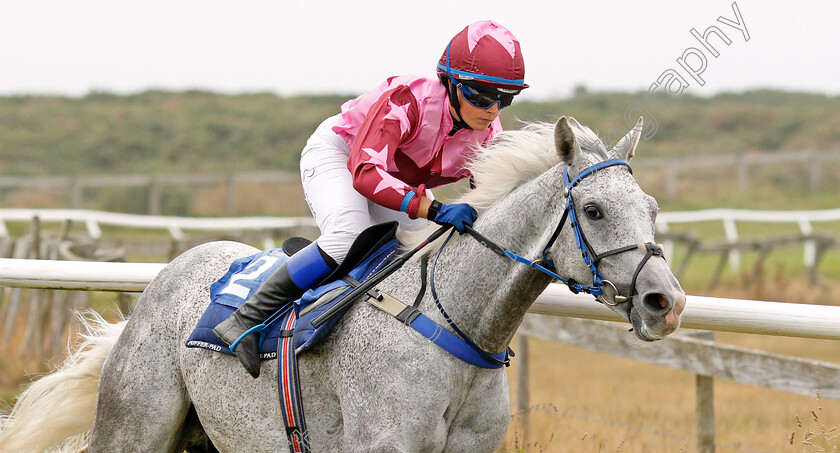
374 161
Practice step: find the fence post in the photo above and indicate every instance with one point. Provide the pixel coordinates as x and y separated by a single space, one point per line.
32 337
809 249
705 407
731 231
523 393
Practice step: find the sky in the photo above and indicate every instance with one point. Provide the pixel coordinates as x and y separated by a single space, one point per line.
315 47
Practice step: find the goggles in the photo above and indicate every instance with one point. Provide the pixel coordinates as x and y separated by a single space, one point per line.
482 96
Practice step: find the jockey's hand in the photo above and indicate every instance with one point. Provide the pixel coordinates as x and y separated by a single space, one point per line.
457 215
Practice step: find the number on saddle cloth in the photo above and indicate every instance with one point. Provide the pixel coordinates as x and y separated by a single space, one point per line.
370 251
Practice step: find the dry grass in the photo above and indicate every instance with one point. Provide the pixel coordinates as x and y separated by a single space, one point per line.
584 401
816 432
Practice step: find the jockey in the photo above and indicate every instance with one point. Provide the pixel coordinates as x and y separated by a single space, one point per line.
375 161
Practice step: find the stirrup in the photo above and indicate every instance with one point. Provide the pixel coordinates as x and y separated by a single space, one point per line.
258 328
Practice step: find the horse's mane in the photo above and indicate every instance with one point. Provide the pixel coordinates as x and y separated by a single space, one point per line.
512 158
518 156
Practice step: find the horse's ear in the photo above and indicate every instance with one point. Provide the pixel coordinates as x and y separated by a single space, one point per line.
564 140
626 147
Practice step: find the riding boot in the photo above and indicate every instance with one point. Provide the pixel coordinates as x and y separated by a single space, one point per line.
299 273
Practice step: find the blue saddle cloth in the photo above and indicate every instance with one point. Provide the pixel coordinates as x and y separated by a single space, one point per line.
247 274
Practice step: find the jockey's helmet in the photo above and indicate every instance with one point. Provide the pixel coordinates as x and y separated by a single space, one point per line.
487 53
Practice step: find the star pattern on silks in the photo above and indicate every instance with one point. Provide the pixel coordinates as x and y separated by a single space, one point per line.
378 158
379 161
399 113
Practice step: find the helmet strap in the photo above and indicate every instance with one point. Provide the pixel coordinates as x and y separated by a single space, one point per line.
457 123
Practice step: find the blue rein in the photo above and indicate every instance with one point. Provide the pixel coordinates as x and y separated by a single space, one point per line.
545 265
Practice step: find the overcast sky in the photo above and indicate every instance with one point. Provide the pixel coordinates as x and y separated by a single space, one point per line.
71 47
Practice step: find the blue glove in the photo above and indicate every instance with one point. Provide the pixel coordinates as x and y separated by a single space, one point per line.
457 215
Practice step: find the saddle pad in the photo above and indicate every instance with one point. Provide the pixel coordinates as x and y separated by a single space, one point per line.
232 290
244 278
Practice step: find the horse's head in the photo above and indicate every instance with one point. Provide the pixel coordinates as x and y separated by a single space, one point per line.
616 223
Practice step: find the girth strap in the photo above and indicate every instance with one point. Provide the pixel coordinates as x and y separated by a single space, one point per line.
288 382
448 341
414 318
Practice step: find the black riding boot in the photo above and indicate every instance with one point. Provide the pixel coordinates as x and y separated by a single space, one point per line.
300 272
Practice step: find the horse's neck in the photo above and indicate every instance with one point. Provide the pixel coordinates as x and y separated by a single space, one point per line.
488 295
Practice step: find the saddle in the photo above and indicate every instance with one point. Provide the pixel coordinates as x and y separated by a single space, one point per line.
371 250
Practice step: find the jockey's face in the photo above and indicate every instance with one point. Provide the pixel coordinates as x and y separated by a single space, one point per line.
478 119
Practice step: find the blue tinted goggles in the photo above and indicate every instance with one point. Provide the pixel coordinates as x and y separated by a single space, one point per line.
483 96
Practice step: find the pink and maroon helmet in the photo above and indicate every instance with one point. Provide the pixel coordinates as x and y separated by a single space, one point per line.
487 53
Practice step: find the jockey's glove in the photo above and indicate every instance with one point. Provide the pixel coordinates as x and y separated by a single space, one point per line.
457 215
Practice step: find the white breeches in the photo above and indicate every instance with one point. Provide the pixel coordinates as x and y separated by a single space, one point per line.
340 211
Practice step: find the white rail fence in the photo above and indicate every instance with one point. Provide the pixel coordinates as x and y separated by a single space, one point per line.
177 226
703 357
729 219
705 313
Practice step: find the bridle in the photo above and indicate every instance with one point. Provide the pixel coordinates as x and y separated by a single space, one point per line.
590 257
544 265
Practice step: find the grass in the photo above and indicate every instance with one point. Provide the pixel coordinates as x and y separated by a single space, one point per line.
584 401
814 433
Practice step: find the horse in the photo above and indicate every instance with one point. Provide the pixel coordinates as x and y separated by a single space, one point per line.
373 384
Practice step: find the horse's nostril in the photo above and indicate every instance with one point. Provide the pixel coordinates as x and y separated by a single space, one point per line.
656 302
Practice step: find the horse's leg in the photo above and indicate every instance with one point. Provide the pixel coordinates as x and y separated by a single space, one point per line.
142 401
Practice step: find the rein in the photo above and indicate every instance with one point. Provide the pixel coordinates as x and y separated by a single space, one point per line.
590 257
544 264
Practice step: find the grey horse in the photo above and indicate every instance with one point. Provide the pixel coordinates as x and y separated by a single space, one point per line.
373 385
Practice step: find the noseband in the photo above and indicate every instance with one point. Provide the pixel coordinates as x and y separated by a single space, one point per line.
590 257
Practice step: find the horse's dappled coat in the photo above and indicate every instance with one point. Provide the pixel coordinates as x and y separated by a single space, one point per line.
375 385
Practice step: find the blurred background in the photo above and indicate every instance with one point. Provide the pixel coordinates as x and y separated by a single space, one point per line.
200 109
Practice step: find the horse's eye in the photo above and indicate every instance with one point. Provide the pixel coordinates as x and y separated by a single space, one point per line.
592 212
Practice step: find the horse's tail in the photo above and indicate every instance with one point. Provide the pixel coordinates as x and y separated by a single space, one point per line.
56 411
